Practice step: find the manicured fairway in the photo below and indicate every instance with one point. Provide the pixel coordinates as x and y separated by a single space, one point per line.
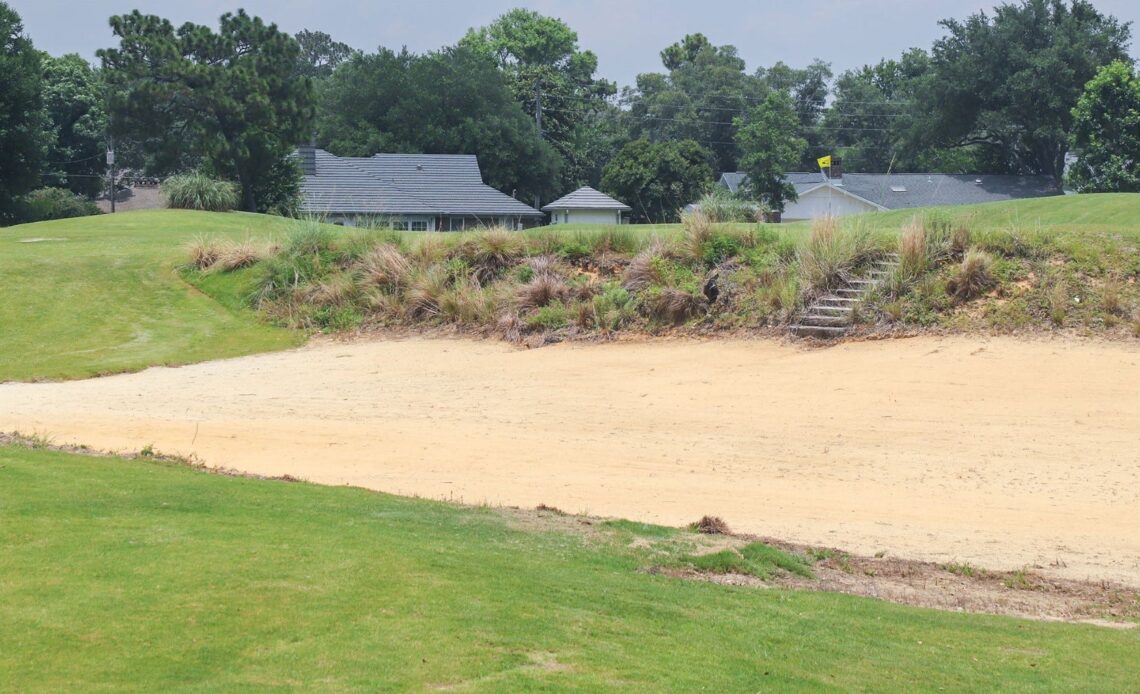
98 295
147 576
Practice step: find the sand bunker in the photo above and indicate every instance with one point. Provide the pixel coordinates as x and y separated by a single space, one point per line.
998 452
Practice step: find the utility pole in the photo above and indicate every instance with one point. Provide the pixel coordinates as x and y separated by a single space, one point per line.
538 123
111 170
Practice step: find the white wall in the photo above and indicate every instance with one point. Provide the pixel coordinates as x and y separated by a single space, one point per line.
585 217
822 202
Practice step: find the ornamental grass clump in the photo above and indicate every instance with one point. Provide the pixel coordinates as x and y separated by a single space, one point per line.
973 276
197 191
832 253
203 252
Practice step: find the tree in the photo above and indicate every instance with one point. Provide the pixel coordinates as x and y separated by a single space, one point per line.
873 114
1007 84
320 54
231 96
541 59
768 139
452 101
75 102
809 90
700 97
1106 133
22 128
657 179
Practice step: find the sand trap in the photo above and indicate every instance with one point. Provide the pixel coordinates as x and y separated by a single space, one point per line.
999 452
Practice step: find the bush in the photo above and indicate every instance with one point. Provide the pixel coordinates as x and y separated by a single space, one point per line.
53 203
197 191
722 206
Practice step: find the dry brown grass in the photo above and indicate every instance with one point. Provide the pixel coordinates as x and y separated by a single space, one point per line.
428 288
541 291
1112 297
913 259
643 271
492 251
386 267
204 252
698 230
973 275
241 254
711 525
675 305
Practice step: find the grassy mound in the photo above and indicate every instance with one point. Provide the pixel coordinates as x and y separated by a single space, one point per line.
101 295
1040 265
119 574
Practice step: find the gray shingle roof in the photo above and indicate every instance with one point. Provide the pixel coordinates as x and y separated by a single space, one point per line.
903 191
405 184
586 198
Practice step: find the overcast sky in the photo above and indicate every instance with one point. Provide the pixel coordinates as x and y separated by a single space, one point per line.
627 35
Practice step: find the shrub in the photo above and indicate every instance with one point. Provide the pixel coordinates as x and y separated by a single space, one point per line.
549 317
721 206
197 191
53 203
973 275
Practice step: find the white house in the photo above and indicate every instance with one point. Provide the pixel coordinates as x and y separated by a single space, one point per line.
840 194
586 206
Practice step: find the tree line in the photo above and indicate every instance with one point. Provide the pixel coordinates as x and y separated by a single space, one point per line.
1012 91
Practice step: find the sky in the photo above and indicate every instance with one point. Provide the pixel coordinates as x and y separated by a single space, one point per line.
626 35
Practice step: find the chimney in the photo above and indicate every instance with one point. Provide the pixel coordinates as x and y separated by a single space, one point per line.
836 170
308 156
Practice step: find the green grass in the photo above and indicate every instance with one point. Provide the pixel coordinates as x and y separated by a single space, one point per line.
107 298
143 575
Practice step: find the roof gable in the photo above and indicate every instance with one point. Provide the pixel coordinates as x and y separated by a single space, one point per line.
404 184
586 198
905 190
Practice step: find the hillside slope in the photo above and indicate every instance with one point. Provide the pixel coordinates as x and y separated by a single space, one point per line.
99 295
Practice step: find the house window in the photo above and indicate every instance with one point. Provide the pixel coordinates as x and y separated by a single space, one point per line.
566 217
418 225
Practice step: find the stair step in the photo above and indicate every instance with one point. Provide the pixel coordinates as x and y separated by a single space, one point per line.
820 308
837 300
849 292
819 321
821 331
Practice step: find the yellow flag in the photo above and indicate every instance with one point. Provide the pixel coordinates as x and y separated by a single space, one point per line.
824 162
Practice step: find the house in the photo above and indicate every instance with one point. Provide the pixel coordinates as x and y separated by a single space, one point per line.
586 206
843 194
415 192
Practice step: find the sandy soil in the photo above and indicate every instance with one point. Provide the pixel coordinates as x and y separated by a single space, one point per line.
998 452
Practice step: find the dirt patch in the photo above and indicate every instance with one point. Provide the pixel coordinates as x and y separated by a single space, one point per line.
1019 454
1024 593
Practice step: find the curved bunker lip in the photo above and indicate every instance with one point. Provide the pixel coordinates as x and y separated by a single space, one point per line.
1019 454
